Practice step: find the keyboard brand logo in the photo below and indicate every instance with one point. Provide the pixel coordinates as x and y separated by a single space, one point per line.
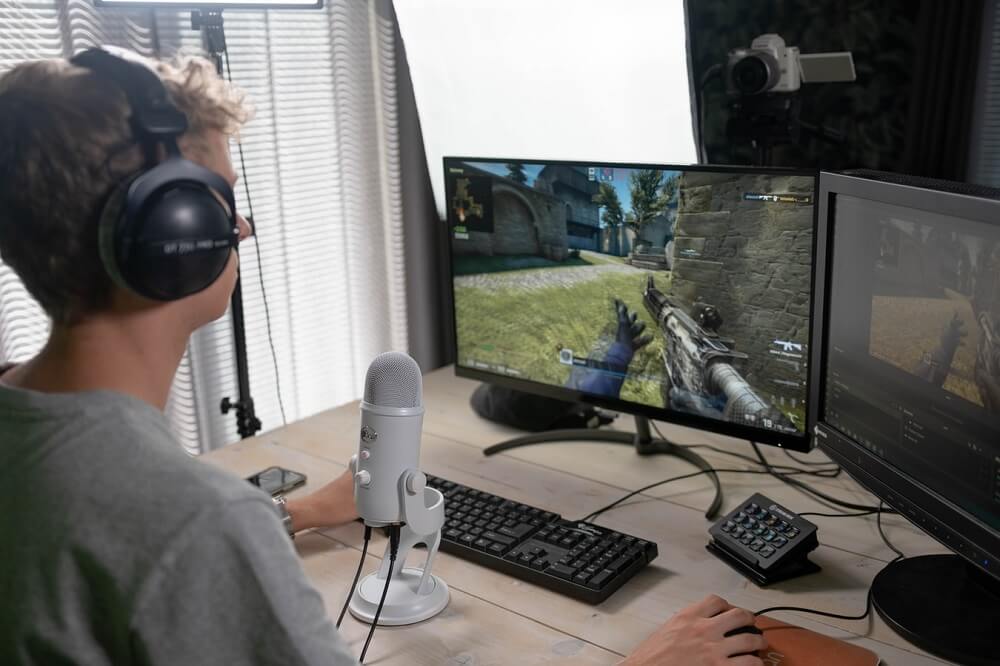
368 434
584 527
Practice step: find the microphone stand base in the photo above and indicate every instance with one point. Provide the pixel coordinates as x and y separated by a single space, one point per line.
403 604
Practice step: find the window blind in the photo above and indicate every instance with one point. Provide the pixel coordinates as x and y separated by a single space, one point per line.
323 171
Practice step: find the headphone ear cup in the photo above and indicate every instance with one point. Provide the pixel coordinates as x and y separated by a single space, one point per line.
109 231
170 210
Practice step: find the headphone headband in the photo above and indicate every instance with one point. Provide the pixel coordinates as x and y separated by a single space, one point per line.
154 118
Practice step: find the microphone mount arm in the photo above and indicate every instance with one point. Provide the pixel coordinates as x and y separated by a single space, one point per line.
423 518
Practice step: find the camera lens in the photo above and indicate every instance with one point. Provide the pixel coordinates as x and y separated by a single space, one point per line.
751 75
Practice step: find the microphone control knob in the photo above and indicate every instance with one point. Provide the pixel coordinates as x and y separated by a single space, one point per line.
365 454
363 478
416 483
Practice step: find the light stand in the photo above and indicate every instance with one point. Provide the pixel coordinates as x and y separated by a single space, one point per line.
213 35
412 594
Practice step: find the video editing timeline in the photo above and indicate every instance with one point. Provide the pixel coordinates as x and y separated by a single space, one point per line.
915 307
686 290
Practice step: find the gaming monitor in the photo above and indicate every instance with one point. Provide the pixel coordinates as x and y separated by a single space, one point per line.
906 359
676 293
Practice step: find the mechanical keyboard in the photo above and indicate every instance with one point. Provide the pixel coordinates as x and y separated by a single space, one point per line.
577 559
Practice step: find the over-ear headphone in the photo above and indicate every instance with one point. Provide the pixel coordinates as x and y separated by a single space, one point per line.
162 233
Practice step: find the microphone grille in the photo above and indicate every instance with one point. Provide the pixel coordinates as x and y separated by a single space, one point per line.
393 380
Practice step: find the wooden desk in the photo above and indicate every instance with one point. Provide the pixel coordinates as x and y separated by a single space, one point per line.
496 619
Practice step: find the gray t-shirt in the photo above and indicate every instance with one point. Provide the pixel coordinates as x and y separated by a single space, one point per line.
116 547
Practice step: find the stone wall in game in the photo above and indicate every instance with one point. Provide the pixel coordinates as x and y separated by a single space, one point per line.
752 260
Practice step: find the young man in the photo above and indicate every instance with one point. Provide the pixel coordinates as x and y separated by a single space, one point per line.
117 547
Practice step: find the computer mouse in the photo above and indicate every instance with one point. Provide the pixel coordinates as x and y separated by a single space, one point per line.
746 629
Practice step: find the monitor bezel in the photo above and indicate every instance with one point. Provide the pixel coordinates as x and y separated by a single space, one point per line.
802 442
956 528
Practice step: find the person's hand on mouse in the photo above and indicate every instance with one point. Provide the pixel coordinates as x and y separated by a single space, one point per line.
330 506
696 636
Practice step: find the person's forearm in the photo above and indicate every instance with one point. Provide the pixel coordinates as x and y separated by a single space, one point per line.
308 513
302 513
328 506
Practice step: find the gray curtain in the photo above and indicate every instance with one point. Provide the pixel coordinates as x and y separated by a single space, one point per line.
428 296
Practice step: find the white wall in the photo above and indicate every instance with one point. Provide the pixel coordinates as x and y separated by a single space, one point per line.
589 80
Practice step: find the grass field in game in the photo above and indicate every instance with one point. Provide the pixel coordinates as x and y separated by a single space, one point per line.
521 311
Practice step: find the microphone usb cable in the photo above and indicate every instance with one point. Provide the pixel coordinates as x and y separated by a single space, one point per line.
393 550
357 575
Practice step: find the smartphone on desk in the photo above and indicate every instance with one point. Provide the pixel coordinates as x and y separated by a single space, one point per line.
277 480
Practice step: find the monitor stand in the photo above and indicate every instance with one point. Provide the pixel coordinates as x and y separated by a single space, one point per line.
645 445
943 605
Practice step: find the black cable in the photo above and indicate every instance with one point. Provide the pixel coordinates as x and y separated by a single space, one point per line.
784 477
357 575
878 523
829 473
393 550
868 609
711 470
709 74
811 463
837 515
260 265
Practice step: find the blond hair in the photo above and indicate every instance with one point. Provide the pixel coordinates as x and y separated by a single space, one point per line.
65 145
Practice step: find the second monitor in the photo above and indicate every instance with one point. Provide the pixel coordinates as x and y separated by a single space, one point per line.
678 293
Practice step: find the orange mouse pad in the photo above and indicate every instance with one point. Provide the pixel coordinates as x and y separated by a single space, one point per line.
789 645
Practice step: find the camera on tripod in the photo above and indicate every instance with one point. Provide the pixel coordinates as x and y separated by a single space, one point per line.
763 84
769 66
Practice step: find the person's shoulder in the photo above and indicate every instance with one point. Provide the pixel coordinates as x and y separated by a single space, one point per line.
133 450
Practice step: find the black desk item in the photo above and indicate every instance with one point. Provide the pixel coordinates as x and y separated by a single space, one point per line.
764 541
577 559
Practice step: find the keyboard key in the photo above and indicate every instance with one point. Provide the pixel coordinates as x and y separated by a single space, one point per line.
517 531
494 536
620 563
497 549
562 571
482 544
779 542
600 578
766 551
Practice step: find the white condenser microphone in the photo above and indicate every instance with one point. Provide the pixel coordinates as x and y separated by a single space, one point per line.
390 490
392 415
